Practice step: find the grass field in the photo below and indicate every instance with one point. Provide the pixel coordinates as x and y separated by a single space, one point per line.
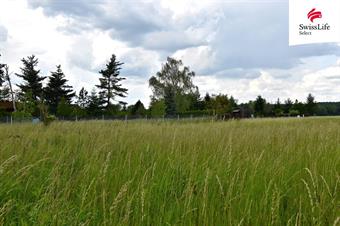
249 172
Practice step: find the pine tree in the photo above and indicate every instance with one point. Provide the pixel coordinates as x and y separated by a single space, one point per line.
278 111
170 102
138 109
2 73
207 102
5 93
110 82
288 105
259 106
32 80
233 102
4 90
57 89
310 105
64 109
83 98
94 106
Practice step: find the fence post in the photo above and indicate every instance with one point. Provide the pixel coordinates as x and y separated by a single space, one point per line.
126 118
11 120
76 118
7 119
103 117
178 117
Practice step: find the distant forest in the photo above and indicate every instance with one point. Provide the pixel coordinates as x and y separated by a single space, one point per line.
174 94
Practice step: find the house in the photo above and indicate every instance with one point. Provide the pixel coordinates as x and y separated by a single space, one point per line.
6 106
237 113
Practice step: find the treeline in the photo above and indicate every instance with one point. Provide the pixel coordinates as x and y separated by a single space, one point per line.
174 94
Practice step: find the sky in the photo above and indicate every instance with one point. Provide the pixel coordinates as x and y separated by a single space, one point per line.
236 47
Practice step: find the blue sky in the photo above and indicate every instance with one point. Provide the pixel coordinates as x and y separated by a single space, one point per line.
235 47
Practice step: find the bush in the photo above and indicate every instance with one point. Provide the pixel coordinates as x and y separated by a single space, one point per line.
294 113
45 116
21 116
48 119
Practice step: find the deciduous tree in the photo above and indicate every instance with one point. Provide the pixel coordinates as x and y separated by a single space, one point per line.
172 82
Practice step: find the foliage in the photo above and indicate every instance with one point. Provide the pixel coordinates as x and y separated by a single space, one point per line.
94 106
46 118
328 108
21 115
195 100
259 106
222 104
174 93
4 93
57 89
64 108
294 112
157 108
278 111
137 109
32 80
310 105
2 73
173 83
298 106
27 106
110 85
288 105
112 110
83 98
170 102
4 89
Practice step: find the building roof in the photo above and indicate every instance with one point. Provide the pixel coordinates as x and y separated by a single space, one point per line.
237 111
6 105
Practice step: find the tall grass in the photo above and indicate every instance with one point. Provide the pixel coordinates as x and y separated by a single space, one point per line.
250 172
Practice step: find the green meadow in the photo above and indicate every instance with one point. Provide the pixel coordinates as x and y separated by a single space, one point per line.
247 172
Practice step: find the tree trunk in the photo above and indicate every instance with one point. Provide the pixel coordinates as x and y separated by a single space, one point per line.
10 87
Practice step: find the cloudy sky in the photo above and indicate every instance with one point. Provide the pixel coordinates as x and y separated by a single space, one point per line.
237 47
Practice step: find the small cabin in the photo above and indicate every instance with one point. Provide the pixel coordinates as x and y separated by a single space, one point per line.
237 113
6 106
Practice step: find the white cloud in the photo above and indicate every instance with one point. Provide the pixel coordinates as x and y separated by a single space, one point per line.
80 54
30 32
236 47
324 83
3 33
199 58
